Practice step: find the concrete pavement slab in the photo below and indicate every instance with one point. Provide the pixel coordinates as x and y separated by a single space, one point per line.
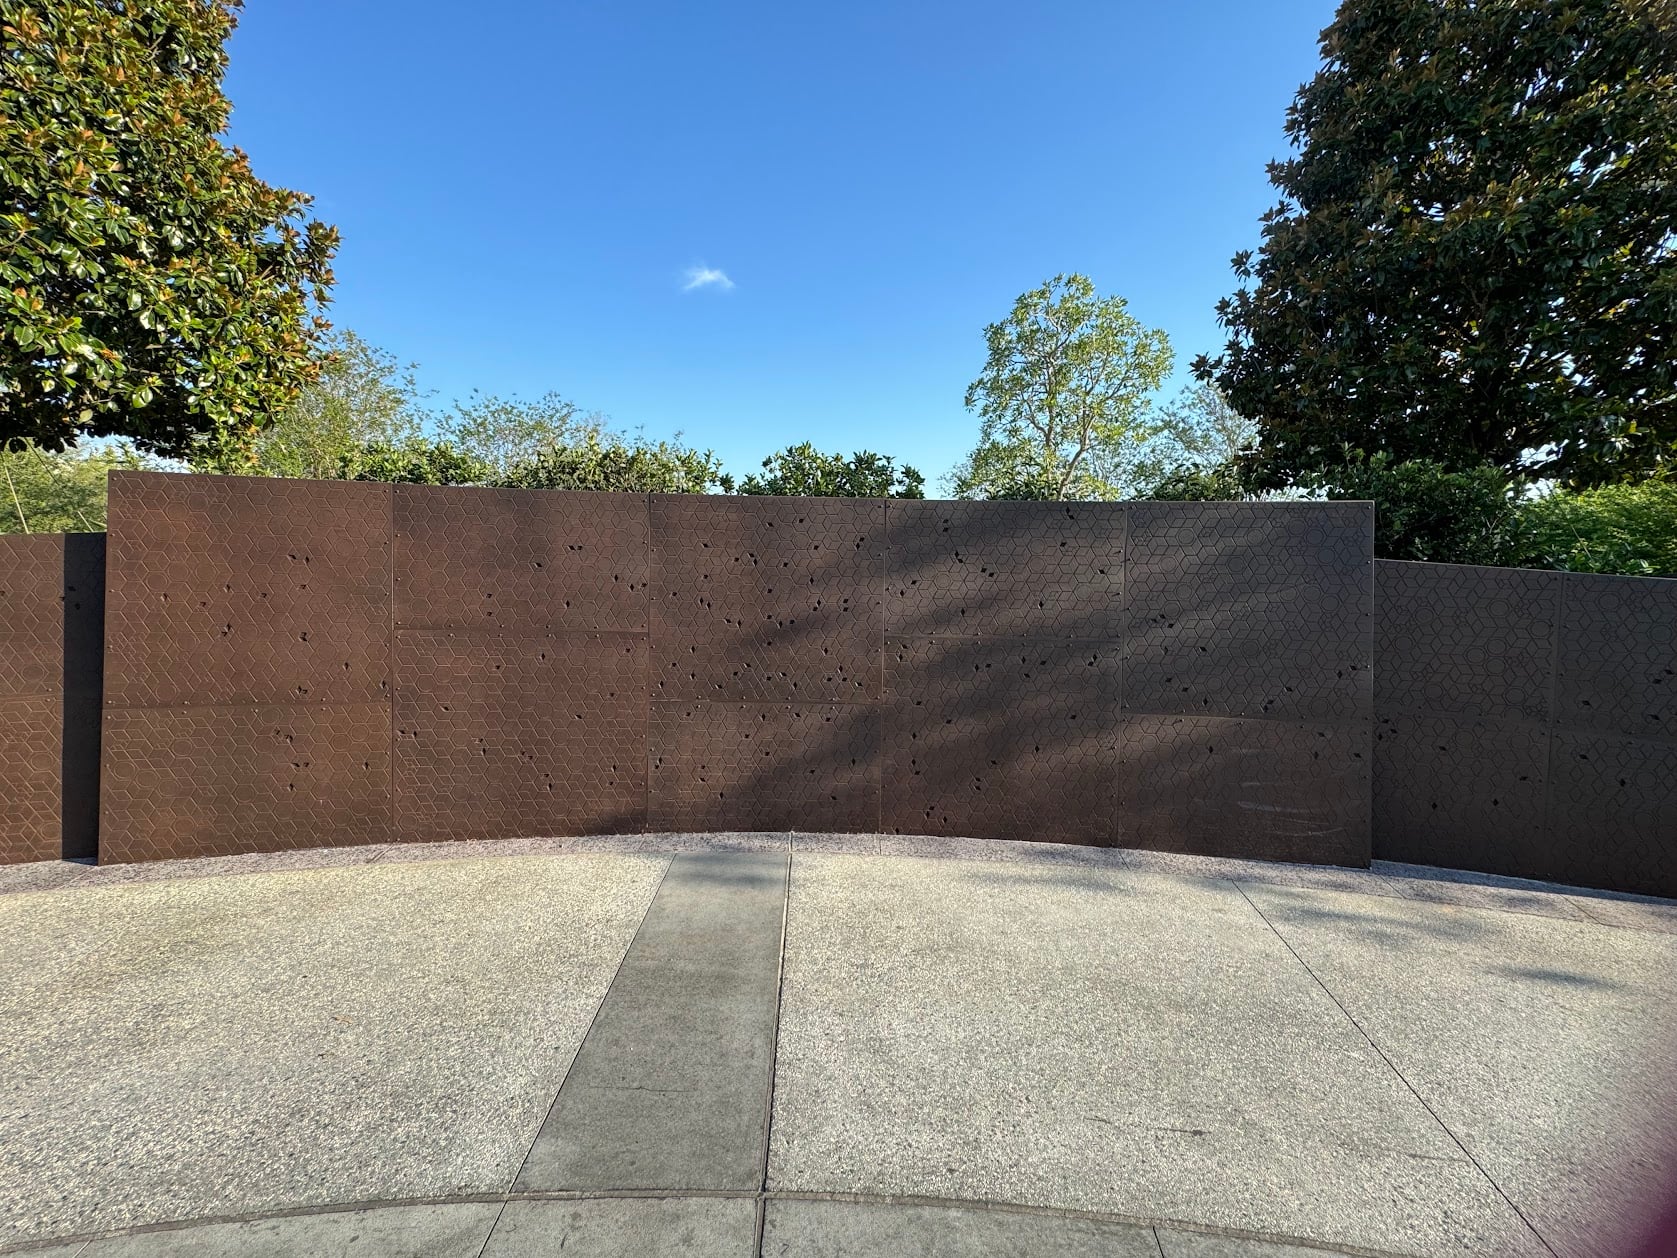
1175 1244
1110 1040
1545 1046
627 1227
421 1231
670 1089
236 1045
839 1229
40 875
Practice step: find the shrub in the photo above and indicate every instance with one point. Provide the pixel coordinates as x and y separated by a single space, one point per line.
1617 528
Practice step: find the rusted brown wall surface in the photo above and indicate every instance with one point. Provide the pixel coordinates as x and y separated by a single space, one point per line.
51 612
296 663
247 667
1528 724
306 662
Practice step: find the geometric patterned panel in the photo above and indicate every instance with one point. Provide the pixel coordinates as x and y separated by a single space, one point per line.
1464 641
1009 569
764 766
766 598
247 590
1618 655
1463 794
999 738
512 736
30 732
1257 789
1249 609
518 560
31 615
216 781
1613 811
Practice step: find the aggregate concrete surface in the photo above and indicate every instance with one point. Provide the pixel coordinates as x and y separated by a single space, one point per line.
911 1046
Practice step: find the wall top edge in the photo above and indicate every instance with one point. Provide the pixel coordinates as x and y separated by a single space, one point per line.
1540 572
134 475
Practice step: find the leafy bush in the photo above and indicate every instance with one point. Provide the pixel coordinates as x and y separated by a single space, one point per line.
1617 528
415 461
1425 510
803 471
608 462
62 491
1218 483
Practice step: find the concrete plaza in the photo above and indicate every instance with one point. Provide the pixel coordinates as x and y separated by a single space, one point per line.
809 1045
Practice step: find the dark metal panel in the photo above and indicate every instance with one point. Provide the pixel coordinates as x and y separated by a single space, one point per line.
1463 793
51 657
1617 669
1009 569
766 598
765 766
1250 609
229 780
992 738
1464 641
31 732
505 736
84 690
1255 789
519 560
31 615
1613 811
247 590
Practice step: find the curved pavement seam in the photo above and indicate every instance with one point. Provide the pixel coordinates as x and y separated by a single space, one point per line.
973 1204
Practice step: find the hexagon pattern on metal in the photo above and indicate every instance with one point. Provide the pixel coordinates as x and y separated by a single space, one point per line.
225 780
1006 569
560 663
758 599
1001 738
512 561
1528 724
247 590
500 735
51 656
764 766
1239 786
1250 609
295 663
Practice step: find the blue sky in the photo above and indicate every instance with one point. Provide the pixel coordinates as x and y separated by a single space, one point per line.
525 186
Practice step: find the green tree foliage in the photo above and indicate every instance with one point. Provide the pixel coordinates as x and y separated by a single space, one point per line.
1063 397
607 461
1426 510
1201 448
150 285
1475 260
1218 482
512 433
414 461
60 491
803 471
362 398
1616 528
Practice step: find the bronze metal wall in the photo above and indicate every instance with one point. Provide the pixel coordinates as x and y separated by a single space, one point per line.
296 662
1528 724
51 635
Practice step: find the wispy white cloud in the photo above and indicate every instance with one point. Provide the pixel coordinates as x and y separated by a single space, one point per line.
705 277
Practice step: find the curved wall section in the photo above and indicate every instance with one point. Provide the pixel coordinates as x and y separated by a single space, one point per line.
1527 724
297 663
